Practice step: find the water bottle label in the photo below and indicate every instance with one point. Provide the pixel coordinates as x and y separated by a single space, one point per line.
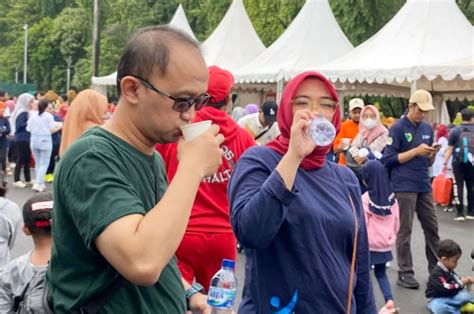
221 298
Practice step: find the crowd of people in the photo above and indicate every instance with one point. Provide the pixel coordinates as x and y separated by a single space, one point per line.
140 219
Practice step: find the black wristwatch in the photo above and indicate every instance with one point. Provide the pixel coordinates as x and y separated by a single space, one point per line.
195 288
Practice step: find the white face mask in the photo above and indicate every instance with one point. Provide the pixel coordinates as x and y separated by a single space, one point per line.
369 123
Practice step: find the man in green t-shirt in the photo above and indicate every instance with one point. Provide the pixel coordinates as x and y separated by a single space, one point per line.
116 223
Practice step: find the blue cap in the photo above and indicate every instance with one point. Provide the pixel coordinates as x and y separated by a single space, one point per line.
228 263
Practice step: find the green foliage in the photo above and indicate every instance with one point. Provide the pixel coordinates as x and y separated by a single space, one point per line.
61 29
360 19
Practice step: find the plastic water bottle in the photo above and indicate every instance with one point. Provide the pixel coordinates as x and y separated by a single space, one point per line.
322 131
223 289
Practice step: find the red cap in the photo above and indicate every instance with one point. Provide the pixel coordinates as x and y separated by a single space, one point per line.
220 83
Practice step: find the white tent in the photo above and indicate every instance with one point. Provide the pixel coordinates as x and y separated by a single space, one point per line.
408 51
179 21
314 37
234 42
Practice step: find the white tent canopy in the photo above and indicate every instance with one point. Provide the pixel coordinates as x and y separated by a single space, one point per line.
234 42
417 45
314 37
179 21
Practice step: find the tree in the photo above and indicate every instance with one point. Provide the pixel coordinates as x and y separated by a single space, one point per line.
63 28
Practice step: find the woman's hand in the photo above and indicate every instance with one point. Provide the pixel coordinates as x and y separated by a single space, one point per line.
301 145
360 159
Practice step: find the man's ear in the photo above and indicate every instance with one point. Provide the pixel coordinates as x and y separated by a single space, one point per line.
129 89
26 230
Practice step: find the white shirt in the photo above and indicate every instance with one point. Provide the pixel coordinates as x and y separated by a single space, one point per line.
252 124
40 124
437 166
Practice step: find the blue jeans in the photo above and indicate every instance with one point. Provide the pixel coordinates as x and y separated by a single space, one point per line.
41 147
450 305
384 284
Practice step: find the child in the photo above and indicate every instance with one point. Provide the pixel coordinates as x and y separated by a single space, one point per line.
9 222
20 272
445 290
382 220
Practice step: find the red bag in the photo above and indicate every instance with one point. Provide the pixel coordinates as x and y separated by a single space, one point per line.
442 186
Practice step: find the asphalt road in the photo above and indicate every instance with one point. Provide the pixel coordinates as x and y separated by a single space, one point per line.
409 301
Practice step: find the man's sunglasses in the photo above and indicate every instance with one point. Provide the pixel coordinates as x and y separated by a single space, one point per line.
180 104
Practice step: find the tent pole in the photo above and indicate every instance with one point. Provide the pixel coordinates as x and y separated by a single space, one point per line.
413 87
279 90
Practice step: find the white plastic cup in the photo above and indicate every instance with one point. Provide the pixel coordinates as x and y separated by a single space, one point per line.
193 130
346 142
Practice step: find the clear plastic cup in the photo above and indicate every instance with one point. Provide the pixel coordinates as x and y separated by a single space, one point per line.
322 131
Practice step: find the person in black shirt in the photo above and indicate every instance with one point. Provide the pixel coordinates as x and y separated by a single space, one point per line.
445 290
460 146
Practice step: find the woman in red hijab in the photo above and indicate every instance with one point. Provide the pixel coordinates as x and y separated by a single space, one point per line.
299 216
442 140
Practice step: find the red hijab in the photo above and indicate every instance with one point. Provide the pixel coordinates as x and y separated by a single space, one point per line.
442 131
317 158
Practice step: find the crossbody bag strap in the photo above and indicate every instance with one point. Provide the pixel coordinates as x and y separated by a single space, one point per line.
354 255
263 132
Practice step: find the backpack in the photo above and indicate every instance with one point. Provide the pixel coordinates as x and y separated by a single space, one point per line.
36 297
465 149
31 300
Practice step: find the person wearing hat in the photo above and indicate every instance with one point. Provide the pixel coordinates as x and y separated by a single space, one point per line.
20 277
209 238
409 153
262 125
349 128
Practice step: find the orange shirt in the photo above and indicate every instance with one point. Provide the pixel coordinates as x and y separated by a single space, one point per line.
349 129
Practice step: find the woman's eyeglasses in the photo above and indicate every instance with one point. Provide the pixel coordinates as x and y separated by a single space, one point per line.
180 104
324 105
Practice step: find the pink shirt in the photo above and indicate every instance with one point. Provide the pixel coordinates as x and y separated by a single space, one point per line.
381 230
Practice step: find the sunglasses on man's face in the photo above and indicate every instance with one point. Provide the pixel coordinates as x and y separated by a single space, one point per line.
181 104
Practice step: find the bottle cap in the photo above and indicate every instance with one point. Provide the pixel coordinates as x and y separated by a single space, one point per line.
228 263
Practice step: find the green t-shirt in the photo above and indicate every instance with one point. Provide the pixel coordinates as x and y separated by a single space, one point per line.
102 178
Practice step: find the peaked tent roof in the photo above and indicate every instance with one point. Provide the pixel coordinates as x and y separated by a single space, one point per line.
179 21
234 42
313 37
421 34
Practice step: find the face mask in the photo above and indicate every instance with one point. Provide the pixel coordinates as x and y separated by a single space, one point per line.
369 123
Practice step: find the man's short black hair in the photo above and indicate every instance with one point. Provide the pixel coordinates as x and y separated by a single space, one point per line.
220 104
149 50
64 97
2 93
448 248
467 114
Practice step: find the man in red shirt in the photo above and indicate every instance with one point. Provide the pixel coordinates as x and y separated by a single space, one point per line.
209 237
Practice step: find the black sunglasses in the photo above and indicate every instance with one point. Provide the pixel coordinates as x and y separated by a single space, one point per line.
180 104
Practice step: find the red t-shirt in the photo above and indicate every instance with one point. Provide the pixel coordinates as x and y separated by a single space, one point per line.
210 211
63 111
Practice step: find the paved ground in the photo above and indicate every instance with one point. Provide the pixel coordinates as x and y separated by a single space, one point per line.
409 301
